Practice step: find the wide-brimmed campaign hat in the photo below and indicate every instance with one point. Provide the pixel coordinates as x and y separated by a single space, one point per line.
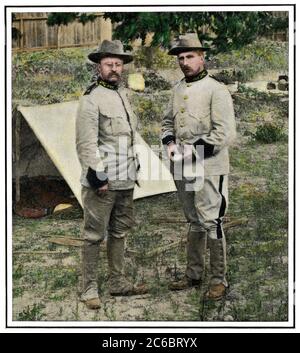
110 48
186 42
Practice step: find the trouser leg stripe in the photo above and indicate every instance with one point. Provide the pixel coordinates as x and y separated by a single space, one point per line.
222 209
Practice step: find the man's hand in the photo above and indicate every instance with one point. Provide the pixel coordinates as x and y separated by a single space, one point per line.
102 190
188 153
173 151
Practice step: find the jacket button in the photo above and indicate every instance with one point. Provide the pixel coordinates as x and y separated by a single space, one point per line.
185 97
182 110
188 85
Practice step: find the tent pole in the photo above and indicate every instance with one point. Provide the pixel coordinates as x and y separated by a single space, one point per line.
17 169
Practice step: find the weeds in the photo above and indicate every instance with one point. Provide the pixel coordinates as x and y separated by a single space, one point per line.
269 133
258 57
32 313
66 279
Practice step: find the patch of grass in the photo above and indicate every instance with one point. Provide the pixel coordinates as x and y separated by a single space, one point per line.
32 313
18 272
17 292
57 297
269 133
65 279
109 311
49 279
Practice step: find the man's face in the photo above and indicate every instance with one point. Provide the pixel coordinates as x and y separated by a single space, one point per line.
110 69
191 63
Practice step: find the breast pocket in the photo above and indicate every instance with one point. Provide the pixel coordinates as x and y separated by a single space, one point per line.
119 126
113 126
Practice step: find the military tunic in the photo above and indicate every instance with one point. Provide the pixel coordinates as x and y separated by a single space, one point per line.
202 110
105 137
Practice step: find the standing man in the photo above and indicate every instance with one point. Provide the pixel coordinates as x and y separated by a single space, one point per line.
105 138
201 114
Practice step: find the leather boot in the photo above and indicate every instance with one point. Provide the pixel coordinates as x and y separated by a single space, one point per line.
90 260
218 283
119 285
196 251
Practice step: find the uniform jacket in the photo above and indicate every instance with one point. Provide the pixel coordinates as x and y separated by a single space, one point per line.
103 117
202 111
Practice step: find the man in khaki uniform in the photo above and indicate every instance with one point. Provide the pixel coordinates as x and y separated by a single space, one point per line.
201 116
105 139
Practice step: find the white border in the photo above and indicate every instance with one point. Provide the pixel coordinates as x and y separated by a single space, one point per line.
188 326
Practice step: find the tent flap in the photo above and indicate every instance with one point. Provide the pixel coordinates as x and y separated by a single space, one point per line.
54 126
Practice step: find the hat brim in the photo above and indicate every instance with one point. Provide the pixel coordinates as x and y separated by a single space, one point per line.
96 57
178 50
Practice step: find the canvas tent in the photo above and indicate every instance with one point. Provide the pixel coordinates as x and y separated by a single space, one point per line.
54 127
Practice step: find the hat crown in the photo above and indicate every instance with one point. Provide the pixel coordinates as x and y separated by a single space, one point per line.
113 47
186 42
189 40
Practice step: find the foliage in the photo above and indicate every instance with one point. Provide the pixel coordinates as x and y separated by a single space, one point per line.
64 18
50 76
33 313
225 31
269 133
154 58
64 279
154 82
150 108
258 57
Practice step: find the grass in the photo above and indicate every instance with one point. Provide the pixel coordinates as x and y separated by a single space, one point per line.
45 286
33 313
257 58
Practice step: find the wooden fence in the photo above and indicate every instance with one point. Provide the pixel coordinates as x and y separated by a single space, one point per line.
37 35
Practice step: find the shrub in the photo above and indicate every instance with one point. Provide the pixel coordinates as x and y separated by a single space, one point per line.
153 81
150 108
269 133
154 58
258 57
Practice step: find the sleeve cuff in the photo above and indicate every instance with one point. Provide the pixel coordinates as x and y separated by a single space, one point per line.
96 179
168 139
208 148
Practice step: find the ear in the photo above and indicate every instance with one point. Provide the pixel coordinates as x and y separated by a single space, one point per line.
202 58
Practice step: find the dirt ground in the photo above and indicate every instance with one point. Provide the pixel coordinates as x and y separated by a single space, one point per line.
47 276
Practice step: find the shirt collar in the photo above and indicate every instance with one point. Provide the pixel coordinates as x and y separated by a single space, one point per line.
198 77
107 84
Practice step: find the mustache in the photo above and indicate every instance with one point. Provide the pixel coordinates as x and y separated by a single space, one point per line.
114 74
